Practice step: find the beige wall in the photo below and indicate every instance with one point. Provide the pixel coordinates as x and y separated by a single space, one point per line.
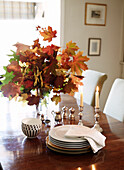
51 10
73 28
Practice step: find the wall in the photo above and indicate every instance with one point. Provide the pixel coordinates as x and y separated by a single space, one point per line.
51 10
111 35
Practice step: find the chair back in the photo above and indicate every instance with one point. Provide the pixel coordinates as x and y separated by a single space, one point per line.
91 80
115 102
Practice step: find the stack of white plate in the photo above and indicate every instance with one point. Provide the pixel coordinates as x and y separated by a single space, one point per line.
59 143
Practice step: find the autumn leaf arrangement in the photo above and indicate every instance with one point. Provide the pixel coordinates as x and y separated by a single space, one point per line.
35 71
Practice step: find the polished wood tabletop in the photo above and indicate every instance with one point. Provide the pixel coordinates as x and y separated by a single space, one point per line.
17 152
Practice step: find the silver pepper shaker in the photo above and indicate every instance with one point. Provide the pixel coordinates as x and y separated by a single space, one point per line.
71 115
64 112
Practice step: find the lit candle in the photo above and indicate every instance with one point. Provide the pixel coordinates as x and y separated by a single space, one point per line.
97 97
81 98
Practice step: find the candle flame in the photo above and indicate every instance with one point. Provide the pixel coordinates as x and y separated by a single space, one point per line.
79 168
97 89
93 167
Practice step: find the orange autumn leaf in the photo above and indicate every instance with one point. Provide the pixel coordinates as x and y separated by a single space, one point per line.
77 80
63 59
48 34
36 44
77 64
71 48
50 49
30 55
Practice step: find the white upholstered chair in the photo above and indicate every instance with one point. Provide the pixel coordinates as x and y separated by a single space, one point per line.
91 80
115 102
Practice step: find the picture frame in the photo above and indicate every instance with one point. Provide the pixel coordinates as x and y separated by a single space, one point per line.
94 46
95 14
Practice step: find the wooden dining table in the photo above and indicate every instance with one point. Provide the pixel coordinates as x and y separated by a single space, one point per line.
17 152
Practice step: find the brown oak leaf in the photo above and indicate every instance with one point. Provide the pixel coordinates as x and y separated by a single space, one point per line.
11 89
56 99
33 100
21 47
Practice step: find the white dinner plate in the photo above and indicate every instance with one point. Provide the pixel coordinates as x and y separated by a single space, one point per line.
59 132
69 145
57 137
67 150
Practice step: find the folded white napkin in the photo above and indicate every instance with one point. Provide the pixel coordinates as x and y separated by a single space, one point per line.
94 137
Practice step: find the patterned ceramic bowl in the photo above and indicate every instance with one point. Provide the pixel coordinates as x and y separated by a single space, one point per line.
31 127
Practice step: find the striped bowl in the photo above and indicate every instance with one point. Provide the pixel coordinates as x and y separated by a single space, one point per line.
31 127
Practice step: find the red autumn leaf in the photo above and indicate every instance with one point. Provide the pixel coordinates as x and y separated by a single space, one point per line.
49 79
50 49
28 84
33 100
14 66
30 74
23 58
77 64
56 99
21 47
11 89
48 34
71 48
18 77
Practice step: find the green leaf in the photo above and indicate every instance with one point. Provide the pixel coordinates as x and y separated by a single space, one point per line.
44 102
22 88
46 93
58 57
8 77
14 56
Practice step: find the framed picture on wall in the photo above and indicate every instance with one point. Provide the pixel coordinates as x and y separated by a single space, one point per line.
94 46
95 14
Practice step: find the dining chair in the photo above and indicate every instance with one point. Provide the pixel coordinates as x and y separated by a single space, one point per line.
1 167
91 80
114 105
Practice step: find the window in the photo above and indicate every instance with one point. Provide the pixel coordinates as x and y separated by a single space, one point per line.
17 10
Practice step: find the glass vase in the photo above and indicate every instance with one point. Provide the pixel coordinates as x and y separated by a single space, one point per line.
42 108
